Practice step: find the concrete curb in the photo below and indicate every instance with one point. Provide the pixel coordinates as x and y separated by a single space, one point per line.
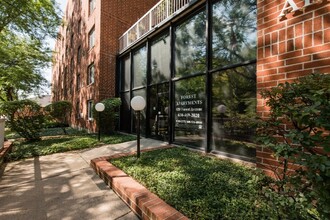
145 204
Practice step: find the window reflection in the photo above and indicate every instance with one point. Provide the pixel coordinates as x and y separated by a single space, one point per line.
125 118
234 111
234 32
190 111
126 73
140 92
190 46
140 67
159 111
160 59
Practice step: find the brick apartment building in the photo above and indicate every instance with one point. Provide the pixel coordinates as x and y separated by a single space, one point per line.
200 64
84 61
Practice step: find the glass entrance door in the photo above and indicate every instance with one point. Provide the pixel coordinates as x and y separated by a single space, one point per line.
158 112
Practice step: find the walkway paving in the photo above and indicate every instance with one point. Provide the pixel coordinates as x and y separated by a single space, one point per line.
63 186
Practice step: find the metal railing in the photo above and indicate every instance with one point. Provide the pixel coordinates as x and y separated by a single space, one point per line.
158 14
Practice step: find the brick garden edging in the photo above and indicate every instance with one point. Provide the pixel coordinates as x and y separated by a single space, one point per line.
7 147
145 204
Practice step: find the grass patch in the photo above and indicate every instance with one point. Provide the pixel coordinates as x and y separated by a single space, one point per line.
53 141
200 187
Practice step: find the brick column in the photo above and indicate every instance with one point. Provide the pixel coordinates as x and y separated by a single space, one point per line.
289 46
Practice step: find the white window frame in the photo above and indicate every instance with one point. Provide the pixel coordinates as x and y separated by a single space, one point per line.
92 6
91 74
78 82
78 115
91 38
90 110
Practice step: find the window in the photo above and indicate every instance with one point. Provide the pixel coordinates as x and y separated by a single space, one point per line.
234 111
189 111
190 46
234 33
140 67
90 109
79 26
91 38
78 82
79 54
91 73
78 110
72 66
72 39
160 59
92 5
66 51
126 77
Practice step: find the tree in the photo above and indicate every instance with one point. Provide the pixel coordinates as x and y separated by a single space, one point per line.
297 131
25 117
37 18
21 61
60 111
24 24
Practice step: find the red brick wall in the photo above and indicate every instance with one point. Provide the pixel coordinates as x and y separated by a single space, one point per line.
111 19
288 47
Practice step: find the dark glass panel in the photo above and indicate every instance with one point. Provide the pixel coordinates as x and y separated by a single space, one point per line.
125 73
125 119
190 46
190 111
140 92
234 111
234 32
160 59
140 67
158 111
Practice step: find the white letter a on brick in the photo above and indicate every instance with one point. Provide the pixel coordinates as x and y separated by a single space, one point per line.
289 5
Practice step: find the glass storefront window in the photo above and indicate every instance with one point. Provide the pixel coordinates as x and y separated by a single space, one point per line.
233 32
190 46
159 111
125 118
233 89
160 59
140 92
190 111
126 73
140 67
234 111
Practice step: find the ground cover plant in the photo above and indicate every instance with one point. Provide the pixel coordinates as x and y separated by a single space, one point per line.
201 187
53 141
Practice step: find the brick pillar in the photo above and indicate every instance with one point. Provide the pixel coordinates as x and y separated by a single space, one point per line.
289 46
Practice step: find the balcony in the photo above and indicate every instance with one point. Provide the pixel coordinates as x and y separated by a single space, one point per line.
155 17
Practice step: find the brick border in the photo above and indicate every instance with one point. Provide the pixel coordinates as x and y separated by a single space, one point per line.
7 147
145 204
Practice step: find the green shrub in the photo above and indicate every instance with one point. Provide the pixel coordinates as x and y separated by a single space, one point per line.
109 116
24 117
60 112
199 186
297 131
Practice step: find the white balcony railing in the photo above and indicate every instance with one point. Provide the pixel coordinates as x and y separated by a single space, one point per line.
158 14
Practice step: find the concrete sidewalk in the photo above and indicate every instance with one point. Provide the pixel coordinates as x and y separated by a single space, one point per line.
63 186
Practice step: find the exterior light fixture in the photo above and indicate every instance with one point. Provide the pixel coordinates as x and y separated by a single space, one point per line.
138 103
99 107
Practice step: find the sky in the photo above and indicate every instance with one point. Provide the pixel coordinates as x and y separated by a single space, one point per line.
47 73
